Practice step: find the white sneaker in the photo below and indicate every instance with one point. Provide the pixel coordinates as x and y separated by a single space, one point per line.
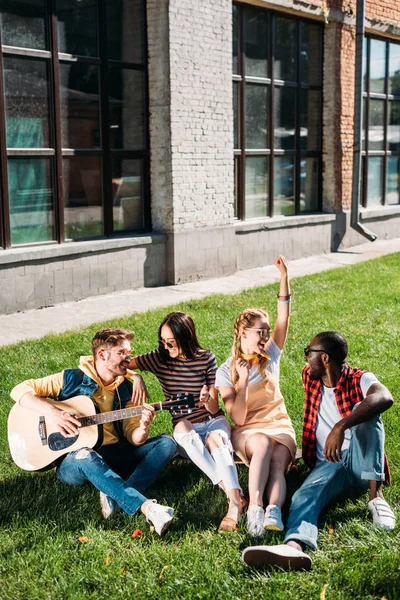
382 514
255 520
273 518
283 556
159 516
108 505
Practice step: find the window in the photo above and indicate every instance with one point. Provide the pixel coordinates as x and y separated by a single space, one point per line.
74 159
277 105
381 132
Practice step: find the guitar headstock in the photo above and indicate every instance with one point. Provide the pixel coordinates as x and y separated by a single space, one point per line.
182 405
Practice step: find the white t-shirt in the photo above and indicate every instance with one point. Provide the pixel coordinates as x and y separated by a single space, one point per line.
223 377
329 415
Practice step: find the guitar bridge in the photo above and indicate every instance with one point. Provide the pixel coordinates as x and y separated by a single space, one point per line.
42 431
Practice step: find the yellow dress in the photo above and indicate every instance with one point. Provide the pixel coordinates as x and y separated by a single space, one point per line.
266 413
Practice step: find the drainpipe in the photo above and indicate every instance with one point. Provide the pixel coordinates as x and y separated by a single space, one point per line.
355 197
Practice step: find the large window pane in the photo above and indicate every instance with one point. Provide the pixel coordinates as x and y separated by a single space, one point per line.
393 134
77 27
23 23
284 185
394 69
376 125
125 30
83 203
256 43
256 116
377 66
128 205
309 184
27 103
310 120
310 53
127 109
256 192
80 105
393 180
284 121
285 38
235 114
235 39
375 180
31 200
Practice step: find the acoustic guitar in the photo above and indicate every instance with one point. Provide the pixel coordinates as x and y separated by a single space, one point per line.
37 445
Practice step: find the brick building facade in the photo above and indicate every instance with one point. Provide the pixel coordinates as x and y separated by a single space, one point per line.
183 178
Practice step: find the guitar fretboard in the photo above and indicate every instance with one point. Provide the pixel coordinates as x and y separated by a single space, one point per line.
115 415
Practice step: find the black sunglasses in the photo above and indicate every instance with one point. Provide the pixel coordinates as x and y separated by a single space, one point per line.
168 344
308 350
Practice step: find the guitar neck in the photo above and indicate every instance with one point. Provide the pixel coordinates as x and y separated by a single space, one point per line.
115 415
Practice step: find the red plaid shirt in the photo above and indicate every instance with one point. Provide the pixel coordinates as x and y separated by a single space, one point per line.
347 393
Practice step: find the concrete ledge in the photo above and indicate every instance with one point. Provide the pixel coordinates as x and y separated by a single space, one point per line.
380 212
284 222
33 253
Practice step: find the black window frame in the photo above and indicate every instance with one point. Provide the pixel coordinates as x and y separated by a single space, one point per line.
386 98
56 152
272 83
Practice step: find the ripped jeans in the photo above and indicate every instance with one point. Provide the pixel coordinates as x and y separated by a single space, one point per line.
219 465
121 471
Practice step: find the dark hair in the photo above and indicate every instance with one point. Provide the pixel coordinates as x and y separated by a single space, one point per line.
334 344
184 331
108 338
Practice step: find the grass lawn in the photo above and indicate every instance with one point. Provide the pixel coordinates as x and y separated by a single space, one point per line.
41 519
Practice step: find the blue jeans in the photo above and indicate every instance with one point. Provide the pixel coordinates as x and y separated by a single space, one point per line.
121 470
362 462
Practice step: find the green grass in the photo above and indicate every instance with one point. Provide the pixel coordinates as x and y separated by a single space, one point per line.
42 519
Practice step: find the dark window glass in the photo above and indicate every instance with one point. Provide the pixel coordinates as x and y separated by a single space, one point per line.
393 134
256 193
235 36
284 185
285 47
376 125
310 54
127 109
394 69
77 27
236 184
27 103
256 116
309 178
365 63
80 105
235 115
375 180
393 180
310 120
125 29
31 200
377 66
256 43
285 114
364 123
23 23
127 181
83 213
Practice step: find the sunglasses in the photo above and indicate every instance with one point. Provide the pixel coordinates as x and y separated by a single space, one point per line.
170 344
308 350
263 333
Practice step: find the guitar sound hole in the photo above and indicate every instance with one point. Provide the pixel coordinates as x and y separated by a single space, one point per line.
57 441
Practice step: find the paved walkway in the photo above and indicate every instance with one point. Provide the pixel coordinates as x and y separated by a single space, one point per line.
72 315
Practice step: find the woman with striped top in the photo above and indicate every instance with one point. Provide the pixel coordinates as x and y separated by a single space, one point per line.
182 365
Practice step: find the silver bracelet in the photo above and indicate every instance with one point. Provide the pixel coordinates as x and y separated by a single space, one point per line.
285 301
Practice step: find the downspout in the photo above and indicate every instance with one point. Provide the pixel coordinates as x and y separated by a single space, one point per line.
358 95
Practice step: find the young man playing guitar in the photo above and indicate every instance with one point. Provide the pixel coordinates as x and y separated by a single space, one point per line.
127 462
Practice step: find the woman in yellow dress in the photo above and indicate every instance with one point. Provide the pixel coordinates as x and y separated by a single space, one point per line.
263 435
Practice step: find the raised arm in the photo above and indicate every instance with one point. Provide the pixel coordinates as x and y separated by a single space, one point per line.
280 331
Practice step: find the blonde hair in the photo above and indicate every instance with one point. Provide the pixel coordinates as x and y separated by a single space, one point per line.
245 320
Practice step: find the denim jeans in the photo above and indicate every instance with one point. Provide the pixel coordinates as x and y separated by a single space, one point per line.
121 470
362 462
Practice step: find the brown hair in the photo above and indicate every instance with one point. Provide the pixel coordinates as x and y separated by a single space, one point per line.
108 338
184 331
247 319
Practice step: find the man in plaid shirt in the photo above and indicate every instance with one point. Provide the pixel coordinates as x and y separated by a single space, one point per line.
343 444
